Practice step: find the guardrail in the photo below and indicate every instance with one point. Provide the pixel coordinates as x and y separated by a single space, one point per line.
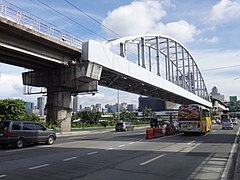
40 27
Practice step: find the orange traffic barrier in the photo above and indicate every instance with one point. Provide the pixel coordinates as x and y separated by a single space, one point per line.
149 133
158 132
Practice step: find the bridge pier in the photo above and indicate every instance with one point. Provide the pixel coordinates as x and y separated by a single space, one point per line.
60 84
59 109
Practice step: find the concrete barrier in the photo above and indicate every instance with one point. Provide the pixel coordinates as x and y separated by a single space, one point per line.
149 133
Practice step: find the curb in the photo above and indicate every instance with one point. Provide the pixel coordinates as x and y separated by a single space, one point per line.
91 131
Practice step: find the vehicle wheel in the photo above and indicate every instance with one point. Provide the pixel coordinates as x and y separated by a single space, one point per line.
126 129
50 140
20 143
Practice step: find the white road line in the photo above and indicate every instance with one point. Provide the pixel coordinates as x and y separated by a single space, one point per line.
230 158
40 166
122 145
3 175
91 153
213 130
151 160
24 149
131 143
108 149
191 142
76 137
69 159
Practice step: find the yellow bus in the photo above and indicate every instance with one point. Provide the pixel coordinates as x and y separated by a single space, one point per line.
194 118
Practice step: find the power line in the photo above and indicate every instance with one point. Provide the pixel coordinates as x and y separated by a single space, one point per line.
225 67
95 20
71 20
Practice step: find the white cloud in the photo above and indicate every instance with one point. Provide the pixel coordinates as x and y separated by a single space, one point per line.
212 40
220 68
10 85
145 17
180 30
225 10
108 96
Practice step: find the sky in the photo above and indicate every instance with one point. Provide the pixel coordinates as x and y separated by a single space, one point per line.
209 29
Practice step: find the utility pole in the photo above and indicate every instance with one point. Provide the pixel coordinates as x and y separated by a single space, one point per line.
118 113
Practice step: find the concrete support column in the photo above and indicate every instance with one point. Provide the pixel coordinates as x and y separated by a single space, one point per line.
59 109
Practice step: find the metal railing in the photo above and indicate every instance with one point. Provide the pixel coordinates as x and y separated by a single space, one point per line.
40 27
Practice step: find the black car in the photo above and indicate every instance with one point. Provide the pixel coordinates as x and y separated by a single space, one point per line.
20 132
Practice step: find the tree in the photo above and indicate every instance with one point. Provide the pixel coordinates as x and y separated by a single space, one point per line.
88 116
31 117
147 112
12 109
125 115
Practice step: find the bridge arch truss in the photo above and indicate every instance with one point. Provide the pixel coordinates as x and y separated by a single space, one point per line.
164 56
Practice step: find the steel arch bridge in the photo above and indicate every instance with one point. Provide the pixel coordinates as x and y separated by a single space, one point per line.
164 56
150 64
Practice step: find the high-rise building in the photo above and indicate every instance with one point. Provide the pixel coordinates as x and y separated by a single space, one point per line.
29 107
123 106
76 104
216 95
155 104
131 107
41 102
98 108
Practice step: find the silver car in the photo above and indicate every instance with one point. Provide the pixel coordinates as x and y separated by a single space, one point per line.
227 124
124 126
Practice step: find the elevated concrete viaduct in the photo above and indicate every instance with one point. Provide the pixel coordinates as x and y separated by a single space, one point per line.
53 64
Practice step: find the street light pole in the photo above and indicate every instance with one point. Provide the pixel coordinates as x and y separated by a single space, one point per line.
118 105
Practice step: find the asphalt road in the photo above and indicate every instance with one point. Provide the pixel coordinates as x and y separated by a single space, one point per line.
123 156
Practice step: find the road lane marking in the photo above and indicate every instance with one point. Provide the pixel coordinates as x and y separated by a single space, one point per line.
131 143
40 166
151 160
91 153
77 137
230 158
25 149
122 145
191 142
69 159
108 149
213 130
3 175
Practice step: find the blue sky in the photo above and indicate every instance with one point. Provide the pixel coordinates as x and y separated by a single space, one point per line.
208 29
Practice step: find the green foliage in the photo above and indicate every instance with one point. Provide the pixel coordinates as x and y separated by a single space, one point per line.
126 115
12 109
87 117
147 112
31 117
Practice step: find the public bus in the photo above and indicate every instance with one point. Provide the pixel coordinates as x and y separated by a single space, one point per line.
194 118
